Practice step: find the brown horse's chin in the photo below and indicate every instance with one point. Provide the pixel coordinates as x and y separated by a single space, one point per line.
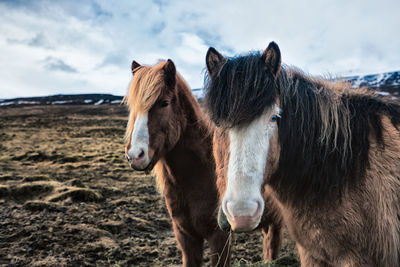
146 169
139 169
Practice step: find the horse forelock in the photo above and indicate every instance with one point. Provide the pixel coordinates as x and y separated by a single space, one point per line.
240 91
145 88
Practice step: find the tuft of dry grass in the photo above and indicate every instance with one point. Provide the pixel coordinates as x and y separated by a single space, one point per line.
75 194
32 189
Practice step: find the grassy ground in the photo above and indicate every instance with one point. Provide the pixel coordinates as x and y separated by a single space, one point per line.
67 197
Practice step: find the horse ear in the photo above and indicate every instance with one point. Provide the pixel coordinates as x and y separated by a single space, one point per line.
213 61
272 58
170 72
134 66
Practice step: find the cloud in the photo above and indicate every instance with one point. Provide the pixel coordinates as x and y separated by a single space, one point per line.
39 40
56 64
80 46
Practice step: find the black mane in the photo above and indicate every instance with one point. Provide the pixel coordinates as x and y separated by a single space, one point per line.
240 91
324 131
324 136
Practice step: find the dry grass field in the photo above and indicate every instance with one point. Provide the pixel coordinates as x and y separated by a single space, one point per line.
68 197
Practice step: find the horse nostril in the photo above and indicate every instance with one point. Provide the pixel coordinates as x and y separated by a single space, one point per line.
128 158
223 221
141 154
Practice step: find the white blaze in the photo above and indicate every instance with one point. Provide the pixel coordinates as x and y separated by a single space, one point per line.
248 154
140 139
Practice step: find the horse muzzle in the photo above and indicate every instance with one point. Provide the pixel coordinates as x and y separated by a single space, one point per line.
239 223
139 162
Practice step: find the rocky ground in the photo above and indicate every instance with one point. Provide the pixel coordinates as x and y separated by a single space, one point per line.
67 196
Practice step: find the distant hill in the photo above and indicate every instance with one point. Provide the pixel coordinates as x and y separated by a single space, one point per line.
84 99
388 82
384 84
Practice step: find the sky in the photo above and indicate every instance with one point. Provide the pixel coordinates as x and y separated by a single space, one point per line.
87 46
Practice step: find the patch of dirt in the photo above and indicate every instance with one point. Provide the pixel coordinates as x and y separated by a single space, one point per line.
68 198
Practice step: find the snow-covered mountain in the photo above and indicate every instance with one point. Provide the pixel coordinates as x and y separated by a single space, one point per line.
388 82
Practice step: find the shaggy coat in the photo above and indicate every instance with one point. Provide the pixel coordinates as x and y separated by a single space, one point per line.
333 164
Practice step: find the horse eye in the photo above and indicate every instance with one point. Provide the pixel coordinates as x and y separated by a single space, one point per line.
164 103
273 118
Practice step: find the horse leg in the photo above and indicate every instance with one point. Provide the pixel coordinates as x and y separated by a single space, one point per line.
272 241
191 247
220 248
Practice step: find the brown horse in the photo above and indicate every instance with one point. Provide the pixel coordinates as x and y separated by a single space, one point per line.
168 131
327 155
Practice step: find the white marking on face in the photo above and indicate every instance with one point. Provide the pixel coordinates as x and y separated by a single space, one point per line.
139 150
248 154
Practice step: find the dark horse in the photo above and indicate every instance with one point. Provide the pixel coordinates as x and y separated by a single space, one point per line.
167 130
326 154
